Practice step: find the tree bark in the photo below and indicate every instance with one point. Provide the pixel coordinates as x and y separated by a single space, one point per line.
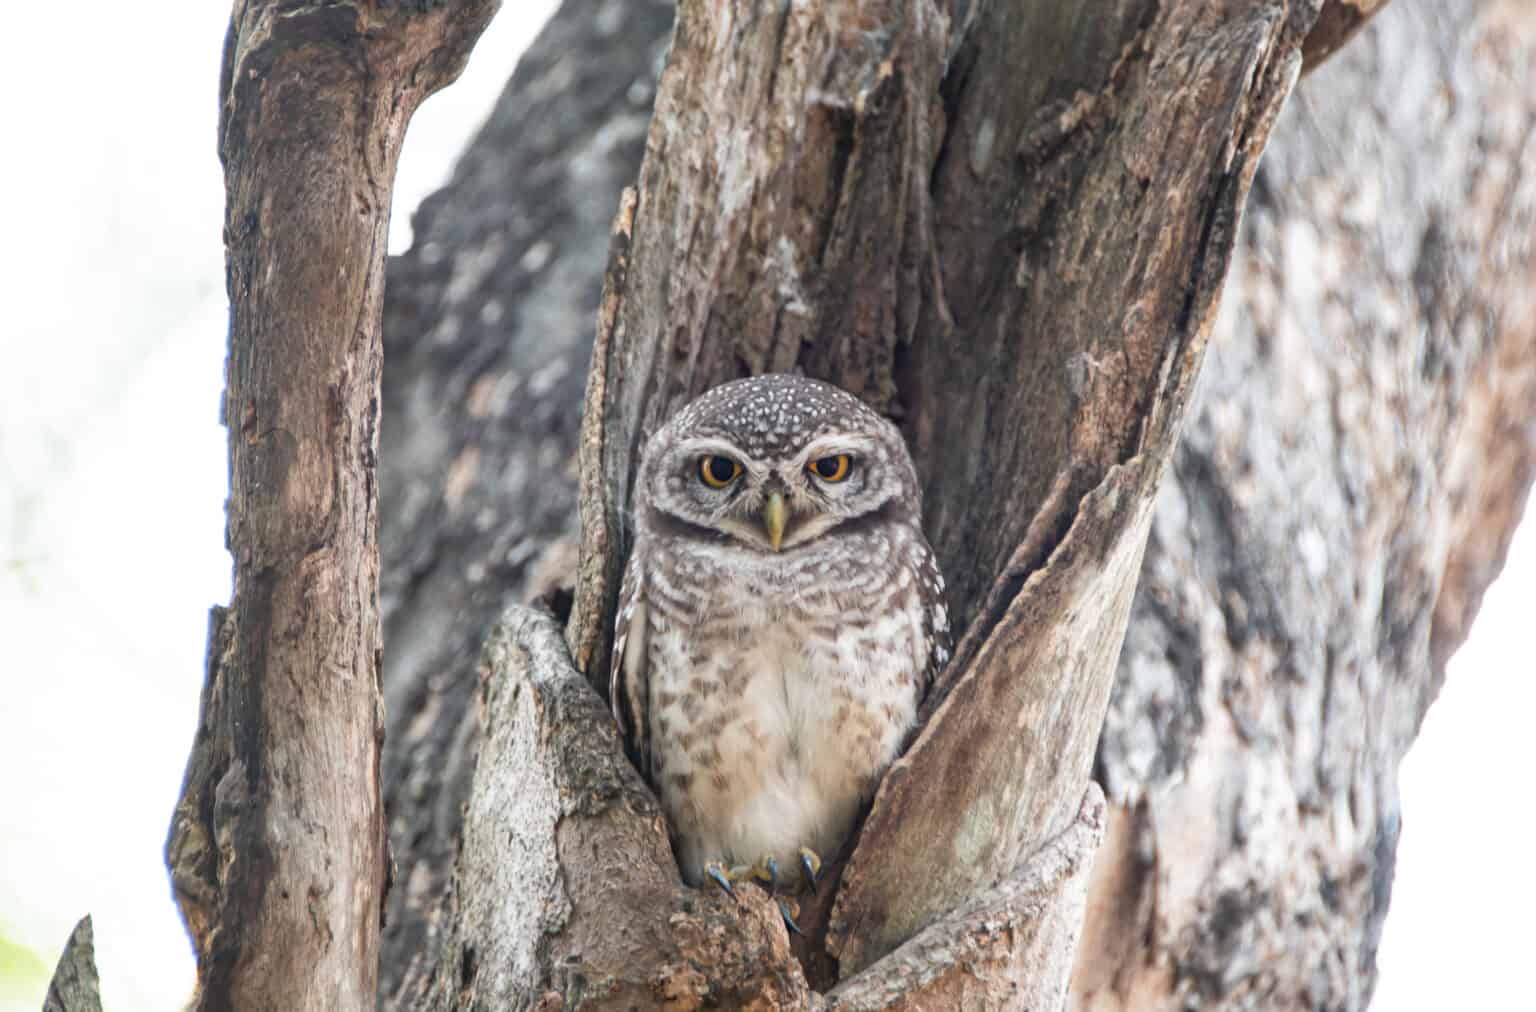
1061 252
277 847
1337 505
75 986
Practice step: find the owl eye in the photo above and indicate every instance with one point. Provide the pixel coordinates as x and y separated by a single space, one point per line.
833 468
718 470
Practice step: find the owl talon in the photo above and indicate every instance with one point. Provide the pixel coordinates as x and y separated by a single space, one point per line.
810 864
787 910
766 872
721 876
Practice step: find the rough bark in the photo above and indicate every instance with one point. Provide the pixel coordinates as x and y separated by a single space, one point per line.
1338 503
471 537
277 847
75 986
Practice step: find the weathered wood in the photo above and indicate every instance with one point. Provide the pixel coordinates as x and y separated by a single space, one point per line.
1065 340
75 986
277 846
1336 24
969 960
1342 495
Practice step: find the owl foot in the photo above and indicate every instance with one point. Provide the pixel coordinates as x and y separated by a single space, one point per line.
766 872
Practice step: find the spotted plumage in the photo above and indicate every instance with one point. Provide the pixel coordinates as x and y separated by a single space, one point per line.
780 619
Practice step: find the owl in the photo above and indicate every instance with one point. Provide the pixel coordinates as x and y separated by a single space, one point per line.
781 618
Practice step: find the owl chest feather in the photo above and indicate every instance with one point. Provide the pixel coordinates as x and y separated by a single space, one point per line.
774 709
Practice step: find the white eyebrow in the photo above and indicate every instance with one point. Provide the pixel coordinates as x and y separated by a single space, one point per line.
827 446
705 444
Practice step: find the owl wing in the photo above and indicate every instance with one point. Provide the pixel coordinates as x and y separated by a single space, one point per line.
936 634
628 676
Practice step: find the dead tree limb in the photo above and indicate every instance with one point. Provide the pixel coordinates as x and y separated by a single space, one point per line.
277 847
75 986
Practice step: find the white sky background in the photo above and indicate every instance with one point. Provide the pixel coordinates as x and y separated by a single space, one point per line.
112 482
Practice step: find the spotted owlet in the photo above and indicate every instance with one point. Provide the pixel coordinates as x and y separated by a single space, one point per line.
780 619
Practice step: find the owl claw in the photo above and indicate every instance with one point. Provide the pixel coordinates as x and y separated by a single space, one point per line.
810 864
721 876
787 910
766 872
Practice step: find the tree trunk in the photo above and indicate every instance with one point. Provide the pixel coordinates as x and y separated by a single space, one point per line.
1010 232
277 847
1338 504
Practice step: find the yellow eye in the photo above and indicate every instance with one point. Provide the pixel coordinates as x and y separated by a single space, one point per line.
830 468
718 471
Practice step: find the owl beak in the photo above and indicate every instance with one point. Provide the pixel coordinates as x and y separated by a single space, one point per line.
773 519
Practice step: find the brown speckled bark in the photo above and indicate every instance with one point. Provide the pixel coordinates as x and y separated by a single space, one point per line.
277 847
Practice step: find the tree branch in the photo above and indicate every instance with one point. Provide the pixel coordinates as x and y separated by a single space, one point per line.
1092 337
1012 947
277 847
1336 24
75 986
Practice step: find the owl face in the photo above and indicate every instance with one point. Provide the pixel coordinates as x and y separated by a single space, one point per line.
773 462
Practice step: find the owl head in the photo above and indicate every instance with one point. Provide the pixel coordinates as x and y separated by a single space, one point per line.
773 462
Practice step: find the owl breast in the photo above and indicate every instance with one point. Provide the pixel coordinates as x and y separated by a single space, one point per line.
780 689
